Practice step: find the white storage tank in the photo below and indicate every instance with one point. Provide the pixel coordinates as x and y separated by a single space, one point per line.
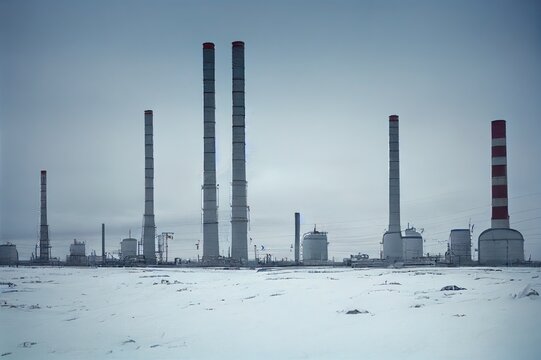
8 254
412 243
501 247
315 247
128 248
460 247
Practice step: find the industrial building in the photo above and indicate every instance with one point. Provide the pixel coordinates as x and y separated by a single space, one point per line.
8 254
412 243
315 247
128 248
459 247
500 245
77 255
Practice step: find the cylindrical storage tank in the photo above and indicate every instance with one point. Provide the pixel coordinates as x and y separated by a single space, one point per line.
8 254
128 248
501 247
77 248
412 243
460 246
315 247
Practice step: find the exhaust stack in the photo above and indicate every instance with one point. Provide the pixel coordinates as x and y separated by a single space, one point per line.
392 239
103 243
297 236
500 213
500 245
149 226
44 245
210 204
239 203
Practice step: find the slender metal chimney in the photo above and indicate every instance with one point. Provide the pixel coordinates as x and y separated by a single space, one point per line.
392 239
149 226
500 213
44 246
297 236
210 204
239 203
103 243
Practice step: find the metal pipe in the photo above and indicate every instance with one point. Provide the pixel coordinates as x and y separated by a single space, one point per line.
210 205
44 245
500 212
239 203
149 226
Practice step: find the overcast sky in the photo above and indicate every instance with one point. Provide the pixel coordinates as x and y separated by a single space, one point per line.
322 77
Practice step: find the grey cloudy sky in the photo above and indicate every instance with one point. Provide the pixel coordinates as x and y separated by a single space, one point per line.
321 79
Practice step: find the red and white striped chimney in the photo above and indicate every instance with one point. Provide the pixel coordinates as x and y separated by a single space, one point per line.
500 213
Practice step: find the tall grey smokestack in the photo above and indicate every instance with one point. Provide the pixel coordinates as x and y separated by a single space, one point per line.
210 204
103 242
44 246
239 203
149 226
392 239
297 236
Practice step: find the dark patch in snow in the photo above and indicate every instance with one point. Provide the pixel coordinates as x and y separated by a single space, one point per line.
459 315
129 341
27 344
9 284
6 354
71 319
155 345
355 312
153 276
527 292
277 294
452 288
416 306
250 297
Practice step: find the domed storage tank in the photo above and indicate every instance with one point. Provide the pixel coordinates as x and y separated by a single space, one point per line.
8 254
460 247
412 243
128 248
315 247
501 247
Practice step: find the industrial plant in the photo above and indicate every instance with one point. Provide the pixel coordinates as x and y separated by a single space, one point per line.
498 245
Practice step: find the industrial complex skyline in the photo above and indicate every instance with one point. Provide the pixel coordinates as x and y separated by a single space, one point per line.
322 79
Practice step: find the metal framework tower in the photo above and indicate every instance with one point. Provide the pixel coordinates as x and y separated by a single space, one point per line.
210 204
44 245
239 203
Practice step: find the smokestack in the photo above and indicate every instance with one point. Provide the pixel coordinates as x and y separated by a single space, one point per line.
103 242
392 239
210 204
44 246
500 245
297 236
149 227
239 203
500 214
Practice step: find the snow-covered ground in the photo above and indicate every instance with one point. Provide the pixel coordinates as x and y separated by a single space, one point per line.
137 313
